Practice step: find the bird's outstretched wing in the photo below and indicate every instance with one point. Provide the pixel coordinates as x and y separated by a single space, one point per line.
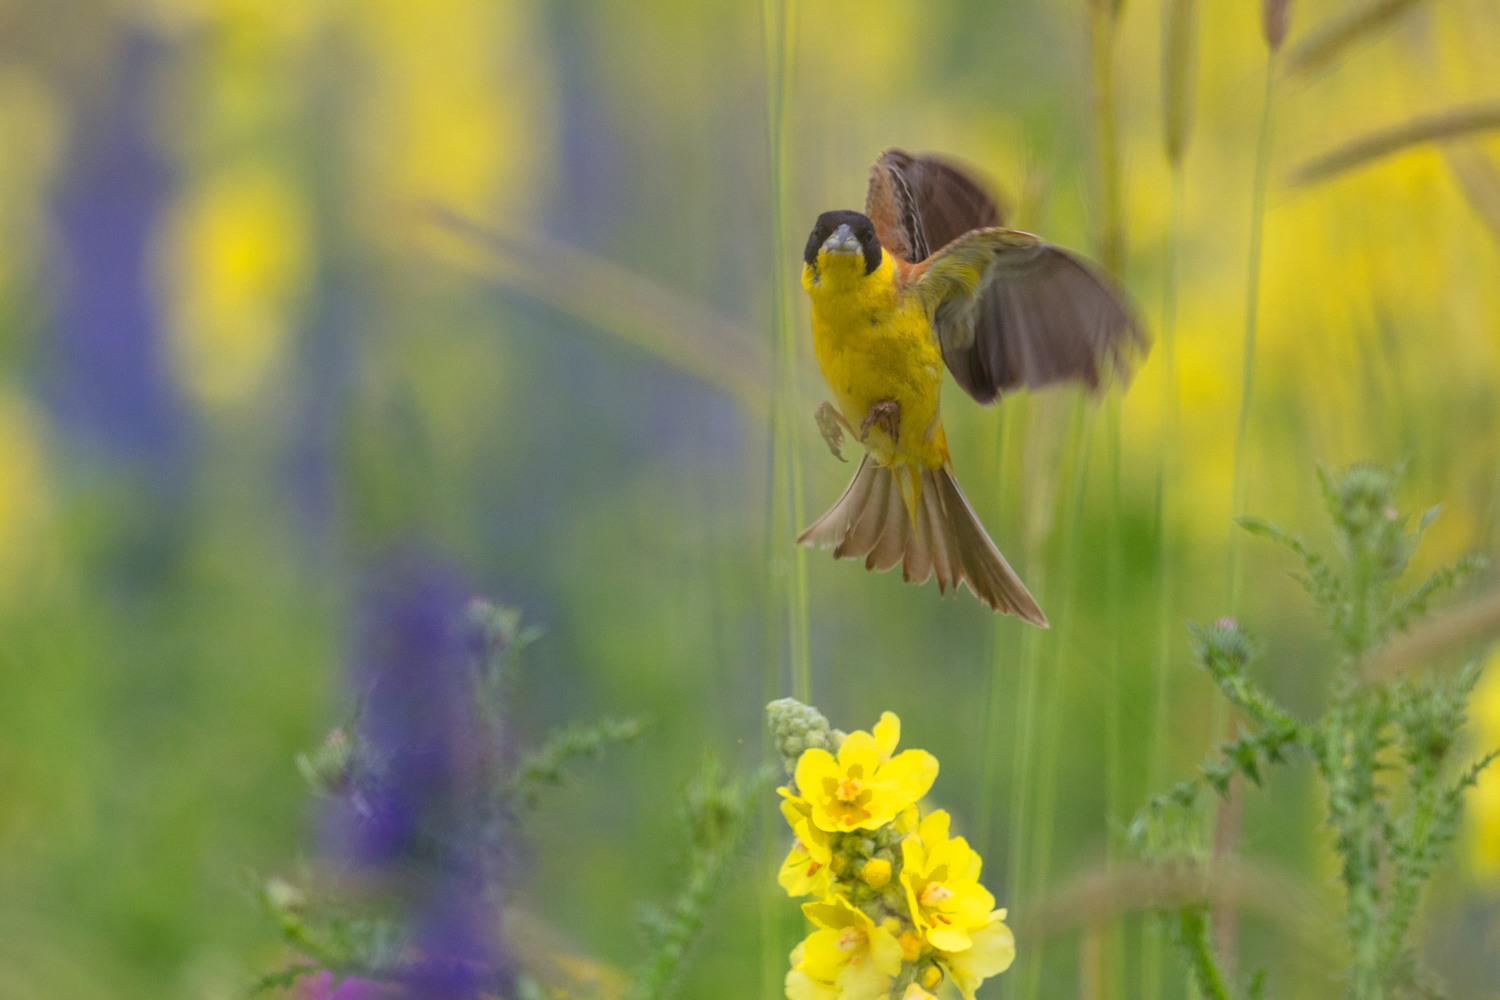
1009 308
919 204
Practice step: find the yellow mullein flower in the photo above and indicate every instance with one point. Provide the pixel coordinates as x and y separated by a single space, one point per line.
991 950
915 992
805 870
850 956
801 986
941 875
864 787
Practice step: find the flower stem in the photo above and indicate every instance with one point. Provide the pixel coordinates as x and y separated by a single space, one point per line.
1046 779
1252 317
1193 926
1166 485
1003 627
780 24
784 467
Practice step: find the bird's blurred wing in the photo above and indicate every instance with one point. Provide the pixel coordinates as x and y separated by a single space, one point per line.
1011 309
920 203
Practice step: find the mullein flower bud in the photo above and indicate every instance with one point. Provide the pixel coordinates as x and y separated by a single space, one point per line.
876 872
796 727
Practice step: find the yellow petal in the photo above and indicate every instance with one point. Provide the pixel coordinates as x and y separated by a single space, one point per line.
915 992
913 858
863 979
952 939
971 904
887 734
816 842
822 958
801 986
907 822
934 829
991 950
812 767
836 914
803 875
905 778
885 951
859 750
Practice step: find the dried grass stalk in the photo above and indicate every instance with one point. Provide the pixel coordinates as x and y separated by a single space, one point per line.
1453 123
1479 179
1353 23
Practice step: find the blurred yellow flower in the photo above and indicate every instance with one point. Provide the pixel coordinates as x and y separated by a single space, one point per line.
1484 803
991 950
941 876
864 787
850 957
23 490
458 104
805 870
237 261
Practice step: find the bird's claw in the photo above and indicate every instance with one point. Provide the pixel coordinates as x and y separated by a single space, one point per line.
831 425
887 415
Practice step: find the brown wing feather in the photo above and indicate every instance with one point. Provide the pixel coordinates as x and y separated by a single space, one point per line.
921 203
1012 310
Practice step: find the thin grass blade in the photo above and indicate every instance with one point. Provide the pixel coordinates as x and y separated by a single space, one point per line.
1453 123
610 299
1355 22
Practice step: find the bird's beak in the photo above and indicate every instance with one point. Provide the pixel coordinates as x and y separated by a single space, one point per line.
844 241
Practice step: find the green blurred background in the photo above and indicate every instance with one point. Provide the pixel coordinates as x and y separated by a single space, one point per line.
243 358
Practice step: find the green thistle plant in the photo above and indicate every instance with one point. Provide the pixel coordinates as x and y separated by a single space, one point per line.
356 931
1383 749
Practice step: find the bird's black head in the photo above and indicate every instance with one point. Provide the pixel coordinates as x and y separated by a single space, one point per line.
843 232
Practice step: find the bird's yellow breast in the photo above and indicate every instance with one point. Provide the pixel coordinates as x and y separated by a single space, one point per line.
875 344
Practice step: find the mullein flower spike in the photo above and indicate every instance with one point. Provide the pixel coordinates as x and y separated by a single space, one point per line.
897 904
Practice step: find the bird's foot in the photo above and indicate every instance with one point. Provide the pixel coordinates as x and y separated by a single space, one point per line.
885 414
832 423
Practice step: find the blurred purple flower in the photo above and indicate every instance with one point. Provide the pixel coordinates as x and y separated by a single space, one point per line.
111 386
320 987
429 817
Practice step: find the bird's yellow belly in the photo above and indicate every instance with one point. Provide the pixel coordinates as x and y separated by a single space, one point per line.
870 358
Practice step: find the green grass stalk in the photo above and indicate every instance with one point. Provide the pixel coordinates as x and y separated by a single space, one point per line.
1104 18
1040 859
1040 479
785 513
1234 573
1002 629
1252 318
1168 634
780 21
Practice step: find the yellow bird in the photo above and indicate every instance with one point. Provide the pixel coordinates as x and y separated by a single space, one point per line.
927 276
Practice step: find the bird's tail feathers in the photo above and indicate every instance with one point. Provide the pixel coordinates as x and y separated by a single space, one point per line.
941 537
